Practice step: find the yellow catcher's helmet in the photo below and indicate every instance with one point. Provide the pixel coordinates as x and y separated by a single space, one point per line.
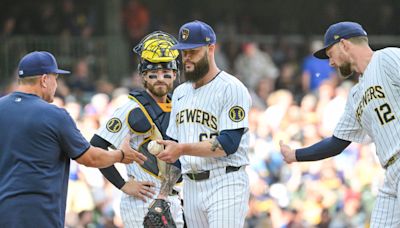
156 48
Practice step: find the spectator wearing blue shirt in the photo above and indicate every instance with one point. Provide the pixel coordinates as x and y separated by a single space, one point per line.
37 142
315 70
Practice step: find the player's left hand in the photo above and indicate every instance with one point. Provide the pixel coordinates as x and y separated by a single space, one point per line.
172 151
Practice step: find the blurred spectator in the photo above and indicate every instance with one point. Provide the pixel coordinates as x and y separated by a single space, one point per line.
325 219
104 86
85 219
308 106
385 23
80 82
260 95
79 196
315 70
48 23
325 93
97 109
136 18
8 27
278 105
134 82
288 79
252 65
75 19
334 109
221 59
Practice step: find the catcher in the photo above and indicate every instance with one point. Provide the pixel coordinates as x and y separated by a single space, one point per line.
145 117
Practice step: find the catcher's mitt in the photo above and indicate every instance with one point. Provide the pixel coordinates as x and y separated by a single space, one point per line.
159 215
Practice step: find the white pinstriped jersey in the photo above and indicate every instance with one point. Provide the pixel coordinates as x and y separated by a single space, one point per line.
198 114
373 106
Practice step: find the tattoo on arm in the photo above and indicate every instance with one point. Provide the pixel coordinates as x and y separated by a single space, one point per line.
171 177
215 145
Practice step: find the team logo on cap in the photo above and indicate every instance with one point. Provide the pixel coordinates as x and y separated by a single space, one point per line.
114 125
185 34
236 113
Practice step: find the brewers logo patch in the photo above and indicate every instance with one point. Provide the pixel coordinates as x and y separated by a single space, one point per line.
236 113
114 125
185 34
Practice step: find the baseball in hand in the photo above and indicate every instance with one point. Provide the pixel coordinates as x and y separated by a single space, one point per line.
154 148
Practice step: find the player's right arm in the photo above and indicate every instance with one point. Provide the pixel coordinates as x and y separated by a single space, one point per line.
99 158
79 149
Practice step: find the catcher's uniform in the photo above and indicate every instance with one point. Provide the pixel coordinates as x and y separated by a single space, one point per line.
139 111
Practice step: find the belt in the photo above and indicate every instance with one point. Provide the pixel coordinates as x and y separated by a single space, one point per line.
391 160
206 174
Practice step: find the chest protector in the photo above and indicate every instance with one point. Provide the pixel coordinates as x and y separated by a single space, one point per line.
157 118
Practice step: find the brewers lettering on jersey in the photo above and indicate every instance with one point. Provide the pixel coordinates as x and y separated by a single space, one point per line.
215 110
372 111
209 120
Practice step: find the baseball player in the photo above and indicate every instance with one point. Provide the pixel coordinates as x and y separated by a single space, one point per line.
144 116
372 110
209 122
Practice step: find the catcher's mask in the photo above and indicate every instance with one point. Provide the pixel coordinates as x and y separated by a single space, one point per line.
155 52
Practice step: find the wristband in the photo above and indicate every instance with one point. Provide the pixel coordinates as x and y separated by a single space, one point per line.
123 155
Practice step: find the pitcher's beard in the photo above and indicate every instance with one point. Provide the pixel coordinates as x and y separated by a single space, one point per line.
200 69
345 70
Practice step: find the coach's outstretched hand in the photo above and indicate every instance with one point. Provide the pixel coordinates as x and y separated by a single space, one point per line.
172 151
130 155
288 154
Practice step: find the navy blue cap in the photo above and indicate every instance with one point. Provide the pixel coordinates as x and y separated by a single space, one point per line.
38 63
338 31
195 34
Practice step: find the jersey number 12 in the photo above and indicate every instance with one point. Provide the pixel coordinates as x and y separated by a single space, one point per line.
384 113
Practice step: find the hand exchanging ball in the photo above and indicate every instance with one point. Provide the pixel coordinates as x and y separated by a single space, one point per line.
154 148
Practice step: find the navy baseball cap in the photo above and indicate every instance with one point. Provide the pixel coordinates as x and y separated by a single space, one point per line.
338 31
195 34
38 63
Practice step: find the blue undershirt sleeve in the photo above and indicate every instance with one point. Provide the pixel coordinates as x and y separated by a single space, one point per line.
230 140
326 148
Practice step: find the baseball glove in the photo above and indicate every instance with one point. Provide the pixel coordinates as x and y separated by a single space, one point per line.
159 215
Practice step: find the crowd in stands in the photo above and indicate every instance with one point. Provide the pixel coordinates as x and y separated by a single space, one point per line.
86 18
296 98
